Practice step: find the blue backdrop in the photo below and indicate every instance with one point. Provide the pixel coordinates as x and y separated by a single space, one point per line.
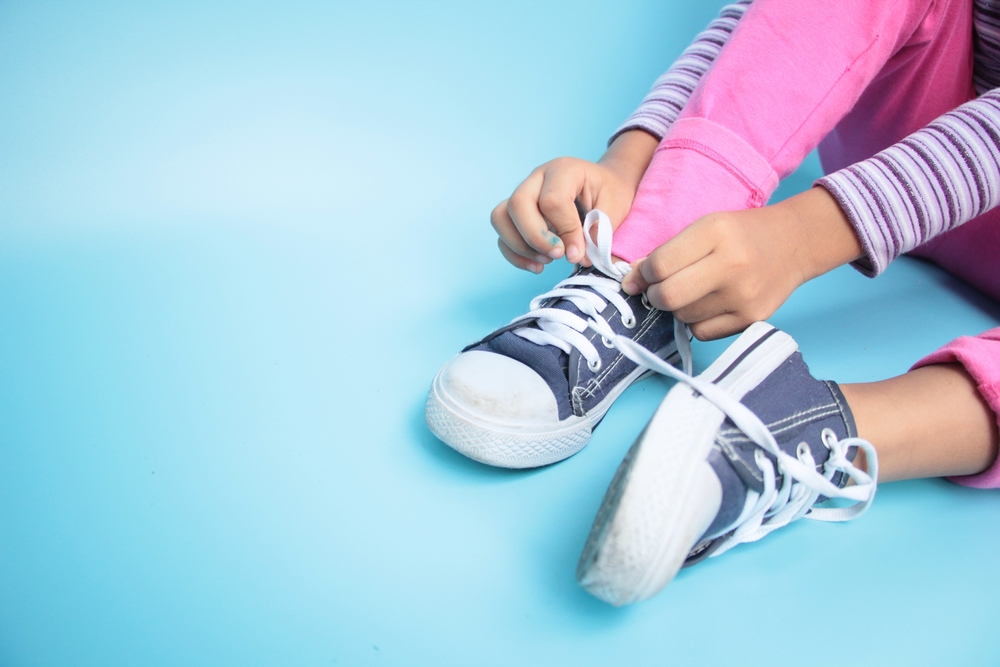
239 239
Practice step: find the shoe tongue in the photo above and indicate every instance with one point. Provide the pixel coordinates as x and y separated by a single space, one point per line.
566 304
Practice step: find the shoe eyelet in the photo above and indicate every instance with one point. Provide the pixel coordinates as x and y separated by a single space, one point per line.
802 450
594 367
646 303
607 343
630 322
828 437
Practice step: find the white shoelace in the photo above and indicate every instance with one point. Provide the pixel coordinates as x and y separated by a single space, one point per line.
774 507
801 485
563 329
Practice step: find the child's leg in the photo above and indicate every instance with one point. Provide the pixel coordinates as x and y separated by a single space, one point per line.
939 419
787 77
930 76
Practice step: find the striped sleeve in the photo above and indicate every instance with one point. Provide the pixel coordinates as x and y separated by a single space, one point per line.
986 49
934 180
672 90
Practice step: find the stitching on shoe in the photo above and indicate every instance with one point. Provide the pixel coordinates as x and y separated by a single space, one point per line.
727 438
787 423
594 383
577 402
589 389
733 457
836 398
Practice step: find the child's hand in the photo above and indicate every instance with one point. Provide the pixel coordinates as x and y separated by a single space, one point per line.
541 220
729 270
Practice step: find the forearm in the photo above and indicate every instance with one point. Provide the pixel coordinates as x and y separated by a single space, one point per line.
825 238
893 200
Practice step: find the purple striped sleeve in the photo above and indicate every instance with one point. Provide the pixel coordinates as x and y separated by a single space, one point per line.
660 108
933 180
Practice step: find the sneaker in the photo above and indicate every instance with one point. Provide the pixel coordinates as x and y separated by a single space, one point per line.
747 447
531 393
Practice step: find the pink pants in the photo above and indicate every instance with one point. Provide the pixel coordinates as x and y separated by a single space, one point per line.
851 77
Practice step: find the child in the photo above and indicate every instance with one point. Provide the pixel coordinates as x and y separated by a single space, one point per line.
887 91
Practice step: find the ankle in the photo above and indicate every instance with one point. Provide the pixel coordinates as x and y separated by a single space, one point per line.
929 422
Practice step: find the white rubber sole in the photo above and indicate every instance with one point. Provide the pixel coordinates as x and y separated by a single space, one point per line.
665 494
511 445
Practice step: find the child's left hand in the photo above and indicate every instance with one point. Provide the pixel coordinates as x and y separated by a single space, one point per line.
728 270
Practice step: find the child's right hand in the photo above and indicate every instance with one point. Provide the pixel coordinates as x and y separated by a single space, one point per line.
541 220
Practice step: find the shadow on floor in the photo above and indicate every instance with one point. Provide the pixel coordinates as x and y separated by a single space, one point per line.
443 456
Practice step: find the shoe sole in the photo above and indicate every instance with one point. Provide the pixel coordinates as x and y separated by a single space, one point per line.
665 495
519 446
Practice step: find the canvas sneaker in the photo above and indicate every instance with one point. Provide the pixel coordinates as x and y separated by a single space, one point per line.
748 446
531 393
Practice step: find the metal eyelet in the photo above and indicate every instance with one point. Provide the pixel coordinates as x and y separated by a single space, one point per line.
802 450
594 367
629 323
646 303
607 343
828 437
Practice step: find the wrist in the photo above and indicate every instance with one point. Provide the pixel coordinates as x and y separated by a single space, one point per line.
827 237
629 155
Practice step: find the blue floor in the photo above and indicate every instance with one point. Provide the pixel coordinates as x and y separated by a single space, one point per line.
236 243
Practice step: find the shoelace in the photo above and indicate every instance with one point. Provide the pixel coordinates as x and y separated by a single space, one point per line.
801 484
776 507
563 329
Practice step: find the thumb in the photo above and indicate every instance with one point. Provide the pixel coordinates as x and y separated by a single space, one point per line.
634 283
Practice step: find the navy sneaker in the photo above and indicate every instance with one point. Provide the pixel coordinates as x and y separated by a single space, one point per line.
531 393
747 447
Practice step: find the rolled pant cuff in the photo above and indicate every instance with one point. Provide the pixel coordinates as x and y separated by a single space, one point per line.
980 355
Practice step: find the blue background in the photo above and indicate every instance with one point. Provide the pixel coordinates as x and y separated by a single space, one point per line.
239 239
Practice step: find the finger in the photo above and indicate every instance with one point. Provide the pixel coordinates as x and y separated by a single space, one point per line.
522 207
633 283
688 286
557 203
711 305
505 228
719 326
693 244
517 260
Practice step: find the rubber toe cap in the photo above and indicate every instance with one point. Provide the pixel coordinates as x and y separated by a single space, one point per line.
499 389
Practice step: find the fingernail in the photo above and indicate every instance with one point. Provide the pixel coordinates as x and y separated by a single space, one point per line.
535 268
556 252
573 254
628 286
542 259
